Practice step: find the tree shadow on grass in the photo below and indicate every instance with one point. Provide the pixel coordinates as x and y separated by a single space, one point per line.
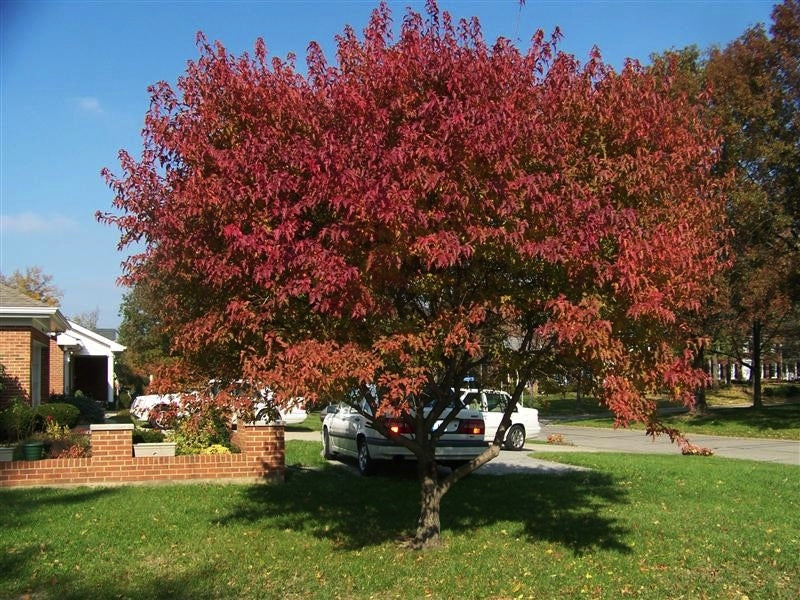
566 508
18 503
355 512
75 586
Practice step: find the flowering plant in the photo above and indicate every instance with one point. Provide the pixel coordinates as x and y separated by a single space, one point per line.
62 442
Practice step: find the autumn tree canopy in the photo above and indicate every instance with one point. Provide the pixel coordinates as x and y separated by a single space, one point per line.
423 205
35 284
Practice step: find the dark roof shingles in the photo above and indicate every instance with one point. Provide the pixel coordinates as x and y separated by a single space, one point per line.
12 298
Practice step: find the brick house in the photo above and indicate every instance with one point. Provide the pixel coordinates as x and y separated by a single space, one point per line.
28 349
43 353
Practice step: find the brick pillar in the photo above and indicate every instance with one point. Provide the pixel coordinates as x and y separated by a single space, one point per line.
56 385
265 443
113 441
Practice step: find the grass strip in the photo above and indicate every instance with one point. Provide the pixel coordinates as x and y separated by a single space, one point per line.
780 422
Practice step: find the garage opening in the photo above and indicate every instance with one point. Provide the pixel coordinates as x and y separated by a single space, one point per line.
90 376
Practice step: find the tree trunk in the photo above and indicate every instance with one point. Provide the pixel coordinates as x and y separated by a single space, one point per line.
755 370
428 525
714 370
700 404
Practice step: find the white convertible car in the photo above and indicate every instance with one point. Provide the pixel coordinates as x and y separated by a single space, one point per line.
152 408
348 432
524 421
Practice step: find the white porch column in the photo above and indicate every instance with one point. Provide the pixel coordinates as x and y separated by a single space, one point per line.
110 381
67 372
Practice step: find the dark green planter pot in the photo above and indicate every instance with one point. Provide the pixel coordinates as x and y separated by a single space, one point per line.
32 450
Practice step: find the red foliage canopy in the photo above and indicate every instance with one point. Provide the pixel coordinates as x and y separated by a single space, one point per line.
425 205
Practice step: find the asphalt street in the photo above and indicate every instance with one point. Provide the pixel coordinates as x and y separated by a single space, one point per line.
595 439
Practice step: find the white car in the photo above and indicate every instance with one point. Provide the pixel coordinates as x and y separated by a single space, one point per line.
264 408
293 414
347 432
524 421
151 407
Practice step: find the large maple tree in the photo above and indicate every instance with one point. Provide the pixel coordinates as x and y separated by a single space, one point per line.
422 206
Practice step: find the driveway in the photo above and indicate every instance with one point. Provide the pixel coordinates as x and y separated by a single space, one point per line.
595 439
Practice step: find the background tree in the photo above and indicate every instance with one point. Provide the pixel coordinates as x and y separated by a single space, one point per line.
35 284
88 319
423 207
756 99
147 347
755 106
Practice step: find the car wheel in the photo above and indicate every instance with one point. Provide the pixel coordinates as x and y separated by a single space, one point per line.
263 415
515 439
160 417
366 466
326 444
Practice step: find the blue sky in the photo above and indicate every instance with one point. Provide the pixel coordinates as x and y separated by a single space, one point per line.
74 77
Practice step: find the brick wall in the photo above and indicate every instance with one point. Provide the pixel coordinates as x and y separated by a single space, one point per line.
112 462
15 355
56 383
16 349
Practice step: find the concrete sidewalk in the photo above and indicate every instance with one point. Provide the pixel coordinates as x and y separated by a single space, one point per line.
596 439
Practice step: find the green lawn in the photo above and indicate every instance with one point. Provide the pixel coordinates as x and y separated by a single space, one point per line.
634 527
312 423
780 422
730 412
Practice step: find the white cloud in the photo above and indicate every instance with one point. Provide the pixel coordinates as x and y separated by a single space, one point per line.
90 104
29 222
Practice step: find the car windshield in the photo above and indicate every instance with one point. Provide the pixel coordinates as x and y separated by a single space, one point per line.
430 399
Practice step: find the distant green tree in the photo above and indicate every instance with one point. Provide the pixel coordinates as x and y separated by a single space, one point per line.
147 346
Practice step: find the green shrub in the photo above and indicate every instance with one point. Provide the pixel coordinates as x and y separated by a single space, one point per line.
61 412
124 400
788 390
17 421
147 436
553 385
91 411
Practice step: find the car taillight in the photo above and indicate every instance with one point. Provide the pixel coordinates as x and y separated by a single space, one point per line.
398 426
472 426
